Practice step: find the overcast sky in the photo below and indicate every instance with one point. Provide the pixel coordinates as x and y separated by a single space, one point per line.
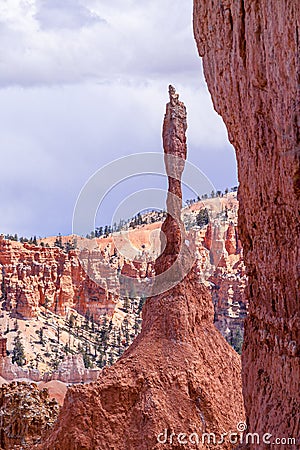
83 82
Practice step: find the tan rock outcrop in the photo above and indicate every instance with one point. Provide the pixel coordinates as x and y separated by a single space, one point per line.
250 53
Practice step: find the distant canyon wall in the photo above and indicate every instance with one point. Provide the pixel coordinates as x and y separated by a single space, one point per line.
33 276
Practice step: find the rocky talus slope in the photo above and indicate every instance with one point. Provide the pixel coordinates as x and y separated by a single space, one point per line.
250 53
173 377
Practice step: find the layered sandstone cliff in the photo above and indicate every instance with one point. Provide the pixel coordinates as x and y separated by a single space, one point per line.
174 378
34 276
250 53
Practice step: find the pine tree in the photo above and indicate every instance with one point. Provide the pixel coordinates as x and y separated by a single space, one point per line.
136 325
126 304
237 341
58 241
58 334
86 359
71 321
202 217
119 343
111 358
40 334
18 355
141 304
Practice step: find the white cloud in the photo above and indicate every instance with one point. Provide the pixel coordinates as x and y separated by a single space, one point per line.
69 14
53 42
83 82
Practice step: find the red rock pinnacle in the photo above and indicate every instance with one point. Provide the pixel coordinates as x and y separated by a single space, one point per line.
175 149
179 375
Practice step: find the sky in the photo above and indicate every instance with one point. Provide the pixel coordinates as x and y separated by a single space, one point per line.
83 82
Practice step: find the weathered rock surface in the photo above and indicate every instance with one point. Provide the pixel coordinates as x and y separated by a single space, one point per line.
26 413
250 53
174 376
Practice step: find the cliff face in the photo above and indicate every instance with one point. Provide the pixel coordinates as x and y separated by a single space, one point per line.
250 53
40 276
173 378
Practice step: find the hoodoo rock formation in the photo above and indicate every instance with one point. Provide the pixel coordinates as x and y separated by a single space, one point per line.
33 276
175 258
250 53
178 376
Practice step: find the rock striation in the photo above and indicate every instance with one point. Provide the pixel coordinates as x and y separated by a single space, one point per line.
250 53
174 378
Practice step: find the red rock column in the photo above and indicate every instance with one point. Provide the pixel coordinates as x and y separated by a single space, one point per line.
175 151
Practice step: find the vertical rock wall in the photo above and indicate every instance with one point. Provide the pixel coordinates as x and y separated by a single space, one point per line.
250 51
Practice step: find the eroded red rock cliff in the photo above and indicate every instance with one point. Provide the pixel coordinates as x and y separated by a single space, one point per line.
250 53
33 276
179 375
